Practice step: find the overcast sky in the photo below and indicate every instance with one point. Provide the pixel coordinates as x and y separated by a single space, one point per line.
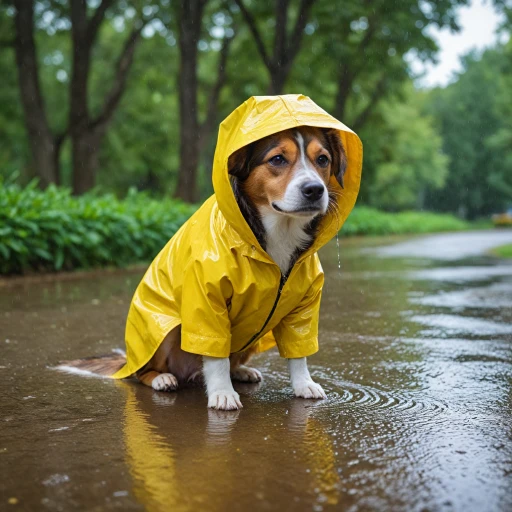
478 25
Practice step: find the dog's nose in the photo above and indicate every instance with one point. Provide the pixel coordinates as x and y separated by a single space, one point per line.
312 190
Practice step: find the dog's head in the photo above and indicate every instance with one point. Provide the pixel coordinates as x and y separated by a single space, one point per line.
289 172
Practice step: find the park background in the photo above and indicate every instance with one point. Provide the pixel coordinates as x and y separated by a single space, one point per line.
109 113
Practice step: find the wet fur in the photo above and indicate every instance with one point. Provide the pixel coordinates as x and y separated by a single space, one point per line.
170 366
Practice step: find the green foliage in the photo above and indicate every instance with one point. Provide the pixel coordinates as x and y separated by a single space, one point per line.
369 221
505 251
474 115
406 156
53 230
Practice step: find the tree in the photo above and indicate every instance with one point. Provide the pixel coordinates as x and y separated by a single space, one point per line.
351 55
286 45
194 134
85 128
406 157
368 47
473 114
44 144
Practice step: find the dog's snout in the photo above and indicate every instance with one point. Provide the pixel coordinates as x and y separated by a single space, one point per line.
312 190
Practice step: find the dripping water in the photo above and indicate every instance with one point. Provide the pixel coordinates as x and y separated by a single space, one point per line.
339 257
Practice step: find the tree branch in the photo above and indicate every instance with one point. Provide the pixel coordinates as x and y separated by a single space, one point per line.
280 38
378 92
347 74
117 89
298 31
96 20
251 22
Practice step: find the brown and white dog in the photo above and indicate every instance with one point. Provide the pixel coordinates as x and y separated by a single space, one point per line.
281 184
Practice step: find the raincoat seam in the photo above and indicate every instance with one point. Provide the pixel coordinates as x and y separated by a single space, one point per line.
289 112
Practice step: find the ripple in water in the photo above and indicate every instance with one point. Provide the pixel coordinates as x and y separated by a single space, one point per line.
424 407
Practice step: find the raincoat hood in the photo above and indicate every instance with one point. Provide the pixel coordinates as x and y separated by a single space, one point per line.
215 280
261 116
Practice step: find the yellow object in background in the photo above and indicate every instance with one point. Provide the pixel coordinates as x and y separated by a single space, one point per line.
215 260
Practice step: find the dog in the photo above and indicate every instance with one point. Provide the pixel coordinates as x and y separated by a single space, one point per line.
287 186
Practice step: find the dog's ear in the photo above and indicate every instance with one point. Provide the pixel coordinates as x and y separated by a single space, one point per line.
238 164
339 157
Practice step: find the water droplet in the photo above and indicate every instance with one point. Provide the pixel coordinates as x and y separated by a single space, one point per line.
339 257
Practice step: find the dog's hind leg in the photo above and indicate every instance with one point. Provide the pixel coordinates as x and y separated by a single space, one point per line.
158 381
239 371
155 374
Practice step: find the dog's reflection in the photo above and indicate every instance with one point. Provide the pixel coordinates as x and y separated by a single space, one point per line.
182 457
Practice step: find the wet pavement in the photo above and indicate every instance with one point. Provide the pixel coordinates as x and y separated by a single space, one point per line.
416 357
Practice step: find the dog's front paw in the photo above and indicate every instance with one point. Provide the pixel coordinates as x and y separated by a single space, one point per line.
165 382
309 389
246 374
224 400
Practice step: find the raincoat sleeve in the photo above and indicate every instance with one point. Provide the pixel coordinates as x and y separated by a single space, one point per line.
297 333
205 328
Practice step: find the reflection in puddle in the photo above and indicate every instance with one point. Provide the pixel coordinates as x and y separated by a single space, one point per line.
151 460
444 274
460 274
170 473
448 246
497 295
219 427
455 324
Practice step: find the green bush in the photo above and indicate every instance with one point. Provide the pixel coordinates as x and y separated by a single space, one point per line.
53 230
505 251
369 221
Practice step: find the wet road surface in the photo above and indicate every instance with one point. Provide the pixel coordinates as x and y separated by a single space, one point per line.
415 354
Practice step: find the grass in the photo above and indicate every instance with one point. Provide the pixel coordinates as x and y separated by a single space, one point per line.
370 221
505 251
52 230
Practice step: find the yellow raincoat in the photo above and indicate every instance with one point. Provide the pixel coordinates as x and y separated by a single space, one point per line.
214 279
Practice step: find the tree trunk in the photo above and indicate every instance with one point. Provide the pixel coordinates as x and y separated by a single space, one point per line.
278 79
44 150
85 154
189 20
83 148
344 87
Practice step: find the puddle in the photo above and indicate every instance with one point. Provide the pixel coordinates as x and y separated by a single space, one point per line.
495 296
416 418
456 324
448 246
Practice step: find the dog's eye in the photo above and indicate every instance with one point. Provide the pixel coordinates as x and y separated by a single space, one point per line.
277 160
322 161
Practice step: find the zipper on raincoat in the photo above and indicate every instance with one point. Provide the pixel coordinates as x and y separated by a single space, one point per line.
255 337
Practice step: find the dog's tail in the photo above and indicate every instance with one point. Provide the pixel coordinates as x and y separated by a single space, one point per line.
96 366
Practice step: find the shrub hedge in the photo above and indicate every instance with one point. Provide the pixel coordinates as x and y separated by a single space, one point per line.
505 251
369 221
53 230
